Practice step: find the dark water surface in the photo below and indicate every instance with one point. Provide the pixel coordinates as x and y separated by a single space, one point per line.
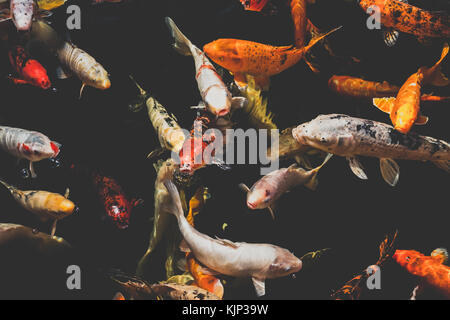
346 214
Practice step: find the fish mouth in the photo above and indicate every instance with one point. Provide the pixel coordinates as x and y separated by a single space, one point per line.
251 205
222 113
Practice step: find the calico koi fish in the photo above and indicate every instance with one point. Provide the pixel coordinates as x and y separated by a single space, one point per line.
406 18
22 12
214 92
430 269
236 259
271 187
262 61
350 137
404 109
117 206
30 71
30 145
45 205
202 276
161 216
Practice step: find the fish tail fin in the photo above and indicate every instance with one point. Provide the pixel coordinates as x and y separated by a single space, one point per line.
175 208
443 164
182 44
434 75
314 40
314 182
384 104
142 91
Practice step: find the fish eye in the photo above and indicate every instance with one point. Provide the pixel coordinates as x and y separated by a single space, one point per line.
267 193
407 258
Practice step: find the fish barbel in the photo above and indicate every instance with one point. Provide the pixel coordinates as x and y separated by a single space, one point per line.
237 259
350 137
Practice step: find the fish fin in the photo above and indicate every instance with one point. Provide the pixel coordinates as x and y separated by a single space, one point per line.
384 104
227 243
262 82
119 296
272 213
442 164
61 73
17 80
314 182
241 81
43 14
260 287
238 103
390 36
244 187
156 153
357 167
184 247
311 65
182 44
434 75
390 171
33 173
315 40
421 120
5 15
431 97
82 89
54 228
67 193
176 208
220 163
136 202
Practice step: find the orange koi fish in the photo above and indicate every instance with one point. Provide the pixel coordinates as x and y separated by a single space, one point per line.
254 5
202 276
301 23
262 61
404 110
429 268
409 19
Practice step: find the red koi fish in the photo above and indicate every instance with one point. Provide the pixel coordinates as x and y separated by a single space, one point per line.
254 5
30 71
117 205
430 269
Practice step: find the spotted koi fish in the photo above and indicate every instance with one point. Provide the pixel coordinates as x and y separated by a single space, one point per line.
214 92
117 206
45 205
404 109
350 137
262 61
30 145
430 269
406 18
30 71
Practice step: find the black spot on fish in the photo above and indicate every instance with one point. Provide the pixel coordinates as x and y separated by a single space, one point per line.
367 128
201 296
410 140
283 59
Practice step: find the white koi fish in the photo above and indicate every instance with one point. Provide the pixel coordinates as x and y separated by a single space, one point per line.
350 137
30 145
236 259
214 92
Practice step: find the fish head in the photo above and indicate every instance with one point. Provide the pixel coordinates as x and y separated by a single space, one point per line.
224 52
99 77
259 197
38 147
406 258
191 155
67 207
22 14
37 74
285 263
327 133
218 101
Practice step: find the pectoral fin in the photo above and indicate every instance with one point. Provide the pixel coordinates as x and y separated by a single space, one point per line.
384 104
390 36
443 164
62 74
82 89
421 120
241 80
33 173
390 171
260 287
357 168
272 213
5 15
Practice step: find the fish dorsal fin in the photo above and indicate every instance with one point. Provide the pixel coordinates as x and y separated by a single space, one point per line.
390 171
227 243
434 75
357 167
384 104
260 287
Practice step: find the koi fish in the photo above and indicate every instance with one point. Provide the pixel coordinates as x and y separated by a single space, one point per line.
254 5
350 137
30 145
22 12
214 92
430 269
50 4
236 259
30 71
403 17
404 109
300 20
170 135
271 187
360 88
174 291
117 206
288 147
45 205
202 277
262 61
161 217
